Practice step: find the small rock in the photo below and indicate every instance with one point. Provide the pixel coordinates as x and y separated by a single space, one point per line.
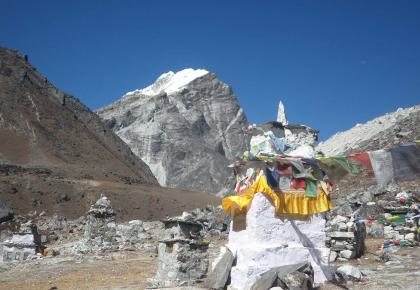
347 254
342 227
341 235
384 257
64 197
339 219
297 281
48 252
333 256
349 272
410 237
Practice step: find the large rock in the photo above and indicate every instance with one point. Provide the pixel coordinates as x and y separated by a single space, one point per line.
186 127
292 277
220 269
275 242
264 281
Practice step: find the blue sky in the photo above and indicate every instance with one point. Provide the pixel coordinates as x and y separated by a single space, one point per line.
333 63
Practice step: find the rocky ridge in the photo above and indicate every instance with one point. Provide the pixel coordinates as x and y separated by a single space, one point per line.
45 127
382 132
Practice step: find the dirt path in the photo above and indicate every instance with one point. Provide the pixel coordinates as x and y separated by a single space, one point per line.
128 270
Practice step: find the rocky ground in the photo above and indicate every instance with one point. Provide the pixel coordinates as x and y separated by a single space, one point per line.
130 270
400 272
95 250
98 252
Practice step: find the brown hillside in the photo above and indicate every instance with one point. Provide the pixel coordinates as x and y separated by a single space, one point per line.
56 154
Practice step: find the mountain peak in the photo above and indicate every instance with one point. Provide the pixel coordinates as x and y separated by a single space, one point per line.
171 82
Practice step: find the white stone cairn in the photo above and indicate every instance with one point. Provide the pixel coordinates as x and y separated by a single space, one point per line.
269 241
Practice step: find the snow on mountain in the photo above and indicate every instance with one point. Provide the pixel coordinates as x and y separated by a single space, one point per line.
171 82
375 134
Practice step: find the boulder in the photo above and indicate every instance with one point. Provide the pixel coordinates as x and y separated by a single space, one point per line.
300 279
295 276
264 281
220 269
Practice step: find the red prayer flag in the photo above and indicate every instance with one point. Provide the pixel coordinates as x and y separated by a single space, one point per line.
298 183
362 159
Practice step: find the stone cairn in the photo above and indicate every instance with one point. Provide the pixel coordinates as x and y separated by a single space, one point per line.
100 231
397 220
24 244
345 237
182 255
266 251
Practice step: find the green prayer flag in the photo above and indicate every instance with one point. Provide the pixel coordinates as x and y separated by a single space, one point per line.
310 190
337 167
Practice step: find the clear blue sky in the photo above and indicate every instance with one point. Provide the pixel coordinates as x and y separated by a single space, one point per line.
333 63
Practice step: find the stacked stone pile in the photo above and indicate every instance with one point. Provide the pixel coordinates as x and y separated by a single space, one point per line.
213 220
100 231
131 235
182 255
397 220
393 216
401 219
345 237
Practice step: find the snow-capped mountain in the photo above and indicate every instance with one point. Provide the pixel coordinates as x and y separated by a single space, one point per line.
170 82
186 126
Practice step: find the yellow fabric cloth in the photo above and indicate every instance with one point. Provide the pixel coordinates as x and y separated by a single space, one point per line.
287 202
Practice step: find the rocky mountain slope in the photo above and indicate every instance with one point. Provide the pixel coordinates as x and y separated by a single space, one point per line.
56 155
41 126
186 127
382 132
